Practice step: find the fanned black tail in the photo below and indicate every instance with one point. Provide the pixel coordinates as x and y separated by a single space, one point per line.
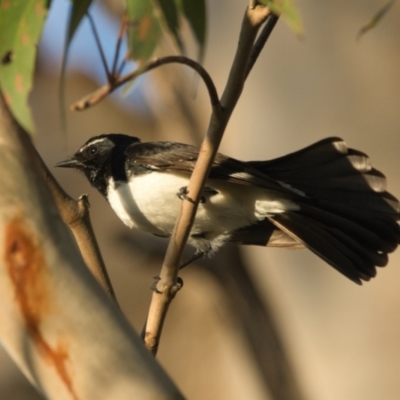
346 215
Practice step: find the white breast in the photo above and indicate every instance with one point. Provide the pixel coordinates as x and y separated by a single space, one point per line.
150 203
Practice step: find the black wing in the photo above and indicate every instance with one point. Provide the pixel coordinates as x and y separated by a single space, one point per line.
179 157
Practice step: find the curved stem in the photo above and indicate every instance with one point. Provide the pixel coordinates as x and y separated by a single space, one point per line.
101 93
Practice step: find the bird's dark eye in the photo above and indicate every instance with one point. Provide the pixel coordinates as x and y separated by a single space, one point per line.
92 150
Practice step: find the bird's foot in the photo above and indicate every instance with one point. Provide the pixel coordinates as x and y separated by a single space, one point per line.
183 195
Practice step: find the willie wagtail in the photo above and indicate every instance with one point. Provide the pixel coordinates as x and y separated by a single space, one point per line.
325 197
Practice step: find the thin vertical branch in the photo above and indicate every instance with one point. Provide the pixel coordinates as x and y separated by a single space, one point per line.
121 33
167 285
99 46
261 40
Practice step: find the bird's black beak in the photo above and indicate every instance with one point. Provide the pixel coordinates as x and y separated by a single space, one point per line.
71 163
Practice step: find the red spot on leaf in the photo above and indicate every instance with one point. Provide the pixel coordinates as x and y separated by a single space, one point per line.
7 98
19 83
25 39
6 4
27 268
39 9
144 27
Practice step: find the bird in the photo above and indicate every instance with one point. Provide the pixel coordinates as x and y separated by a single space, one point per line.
325 197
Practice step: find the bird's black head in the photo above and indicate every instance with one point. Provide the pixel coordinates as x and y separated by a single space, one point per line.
100 157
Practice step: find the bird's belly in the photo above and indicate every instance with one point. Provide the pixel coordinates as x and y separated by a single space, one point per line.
150 203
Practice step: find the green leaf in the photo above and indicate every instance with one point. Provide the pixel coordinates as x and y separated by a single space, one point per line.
21 23
376 18
170 15
144 30
78 11
289 13
195 13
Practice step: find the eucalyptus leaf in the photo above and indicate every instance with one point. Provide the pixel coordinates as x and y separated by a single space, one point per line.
21 24
289 13
195 13
78 11
144 29
171 17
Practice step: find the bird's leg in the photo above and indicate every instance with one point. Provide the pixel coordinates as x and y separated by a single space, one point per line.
195 257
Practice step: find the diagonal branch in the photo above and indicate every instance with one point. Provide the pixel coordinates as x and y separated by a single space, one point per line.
75 214
167 285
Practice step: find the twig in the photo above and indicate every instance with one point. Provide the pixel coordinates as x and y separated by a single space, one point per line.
167 285
75 214
98 43
118 46
121 66
252 4
101 93
261 40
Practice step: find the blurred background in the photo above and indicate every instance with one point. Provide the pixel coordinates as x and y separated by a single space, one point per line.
342 340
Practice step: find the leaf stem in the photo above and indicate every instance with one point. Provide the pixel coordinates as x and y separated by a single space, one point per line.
99 46
122 29
101 93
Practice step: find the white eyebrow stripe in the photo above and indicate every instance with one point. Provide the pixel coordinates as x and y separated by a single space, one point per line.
91 142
